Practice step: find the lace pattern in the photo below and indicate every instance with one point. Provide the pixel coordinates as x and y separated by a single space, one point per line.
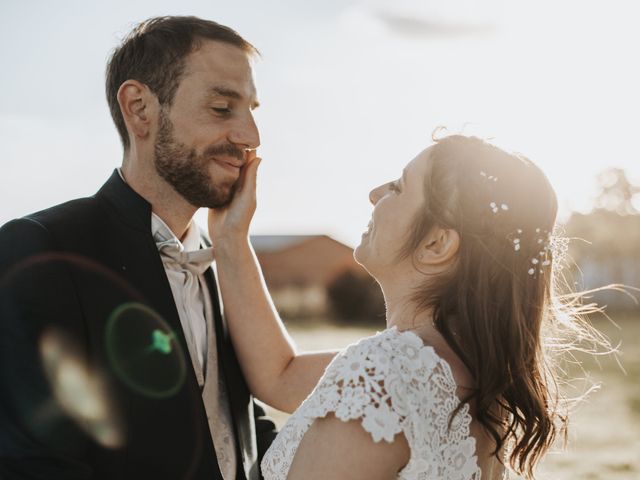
392 383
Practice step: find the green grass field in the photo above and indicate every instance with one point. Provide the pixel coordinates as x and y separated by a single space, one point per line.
604 436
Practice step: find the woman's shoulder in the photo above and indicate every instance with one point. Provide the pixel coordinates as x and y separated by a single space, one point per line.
407 369
378 380
392 363
389 351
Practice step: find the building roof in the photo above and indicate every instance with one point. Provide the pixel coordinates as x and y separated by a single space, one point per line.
302 260
273 243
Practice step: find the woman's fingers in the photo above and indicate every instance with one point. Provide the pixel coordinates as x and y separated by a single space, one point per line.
251 158
252 174
236 216
247 181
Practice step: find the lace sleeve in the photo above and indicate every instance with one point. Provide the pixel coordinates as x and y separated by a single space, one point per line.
392 383
369 382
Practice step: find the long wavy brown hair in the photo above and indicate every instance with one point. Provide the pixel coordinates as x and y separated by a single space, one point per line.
500 308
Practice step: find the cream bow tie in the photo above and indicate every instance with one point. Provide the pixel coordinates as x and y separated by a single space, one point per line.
196 261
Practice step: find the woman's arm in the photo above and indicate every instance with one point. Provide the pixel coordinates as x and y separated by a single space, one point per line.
341 450
275 373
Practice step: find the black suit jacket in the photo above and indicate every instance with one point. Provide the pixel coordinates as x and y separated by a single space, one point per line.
65 273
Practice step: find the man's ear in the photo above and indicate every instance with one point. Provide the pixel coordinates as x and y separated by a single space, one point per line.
439 247
139 107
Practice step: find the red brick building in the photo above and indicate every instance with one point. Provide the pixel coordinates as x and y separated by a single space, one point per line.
299 268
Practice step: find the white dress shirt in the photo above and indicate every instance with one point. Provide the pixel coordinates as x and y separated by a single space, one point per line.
186 286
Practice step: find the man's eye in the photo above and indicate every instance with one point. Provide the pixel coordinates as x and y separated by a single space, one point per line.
393 186
221 110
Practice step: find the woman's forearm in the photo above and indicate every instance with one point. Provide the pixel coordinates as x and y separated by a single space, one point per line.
275 373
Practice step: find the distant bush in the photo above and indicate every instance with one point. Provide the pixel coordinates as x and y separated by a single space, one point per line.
355 297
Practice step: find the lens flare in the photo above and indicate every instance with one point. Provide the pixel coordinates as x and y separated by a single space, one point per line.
144 352
81 392
30 266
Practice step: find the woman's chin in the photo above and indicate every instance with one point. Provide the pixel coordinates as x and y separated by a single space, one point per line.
361 254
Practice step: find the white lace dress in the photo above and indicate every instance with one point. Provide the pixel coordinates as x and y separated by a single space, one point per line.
393 383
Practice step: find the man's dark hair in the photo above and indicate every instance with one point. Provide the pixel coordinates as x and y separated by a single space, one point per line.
154 53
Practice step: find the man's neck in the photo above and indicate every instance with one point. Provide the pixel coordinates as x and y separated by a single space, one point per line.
165 202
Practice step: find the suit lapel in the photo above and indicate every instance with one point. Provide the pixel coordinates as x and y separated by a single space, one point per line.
147 271
140 262
176 422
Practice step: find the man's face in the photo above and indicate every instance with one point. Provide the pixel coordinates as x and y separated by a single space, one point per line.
203 136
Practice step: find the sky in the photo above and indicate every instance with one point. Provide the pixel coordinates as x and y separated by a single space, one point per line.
350 91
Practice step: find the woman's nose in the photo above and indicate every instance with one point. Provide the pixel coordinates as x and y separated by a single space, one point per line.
374 195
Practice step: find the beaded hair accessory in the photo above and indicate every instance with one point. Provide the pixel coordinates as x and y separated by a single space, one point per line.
494 206
550 244
542 239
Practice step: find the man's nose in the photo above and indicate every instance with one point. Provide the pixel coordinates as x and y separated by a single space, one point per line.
244 132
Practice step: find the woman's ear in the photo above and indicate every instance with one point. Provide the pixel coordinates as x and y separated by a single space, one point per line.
439 247
139 108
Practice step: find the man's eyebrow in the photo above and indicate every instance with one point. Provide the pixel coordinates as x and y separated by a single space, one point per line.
225 92
230 93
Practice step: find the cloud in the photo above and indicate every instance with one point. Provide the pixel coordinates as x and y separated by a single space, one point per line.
433 18
426 28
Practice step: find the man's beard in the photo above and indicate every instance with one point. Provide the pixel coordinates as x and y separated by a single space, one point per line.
188 173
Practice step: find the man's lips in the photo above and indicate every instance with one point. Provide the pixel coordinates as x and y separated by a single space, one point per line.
229 163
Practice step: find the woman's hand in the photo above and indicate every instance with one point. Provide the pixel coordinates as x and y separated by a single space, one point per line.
274 372
231 223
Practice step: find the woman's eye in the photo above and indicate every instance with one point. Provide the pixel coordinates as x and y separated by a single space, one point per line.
393 186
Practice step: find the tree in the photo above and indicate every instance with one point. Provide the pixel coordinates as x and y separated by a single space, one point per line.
356 298
612 228
605 243
617 193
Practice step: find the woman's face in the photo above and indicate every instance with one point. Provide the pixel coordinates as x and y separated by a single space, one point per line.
396 205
